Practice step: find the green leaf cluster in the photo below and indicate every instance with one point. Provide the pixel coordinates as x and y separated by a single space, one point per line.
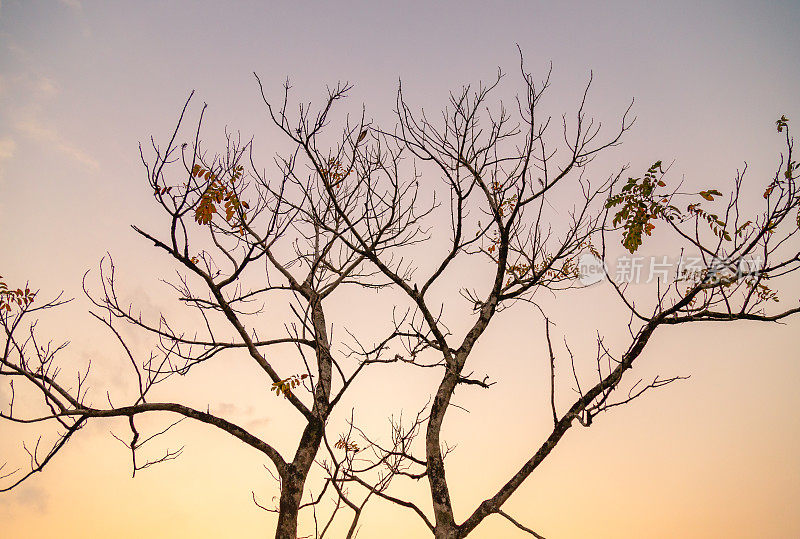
639 205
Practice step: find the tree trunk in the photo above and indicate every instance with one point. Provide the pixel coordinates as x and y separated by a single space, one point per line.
440 492
296 474
289 506
294 479
449 532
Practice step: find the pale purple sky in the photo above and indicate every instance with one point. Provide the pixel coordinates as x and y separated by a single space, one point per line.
82 82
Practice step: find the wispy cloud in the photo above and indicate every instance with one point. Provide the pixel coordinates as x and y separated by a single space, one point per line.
46 88
233 411
24 98
35 129
29 496
7 150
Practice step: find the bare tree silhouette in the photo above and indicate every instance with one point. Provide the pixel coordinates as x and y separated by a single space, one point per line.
351 213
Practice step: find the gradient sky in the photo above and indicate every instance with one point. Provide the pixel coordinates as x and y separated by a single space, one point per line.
82 82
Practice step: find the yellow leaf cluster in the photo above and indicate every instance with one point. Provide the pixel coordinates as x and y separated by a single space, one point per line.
285 386
218 192
334 173
346 444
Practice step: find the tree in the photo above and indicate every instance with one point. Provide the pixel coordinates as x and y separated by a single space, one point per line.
353 213
217 238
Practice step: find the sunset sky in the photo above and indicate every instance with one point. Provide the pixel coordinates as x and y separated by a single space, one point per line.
83 82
